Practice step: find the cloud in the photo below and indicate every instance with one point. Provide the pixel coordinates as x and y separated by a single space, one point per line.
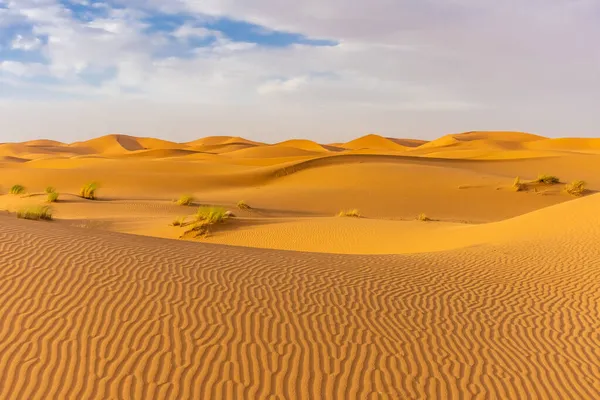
422 68
23 43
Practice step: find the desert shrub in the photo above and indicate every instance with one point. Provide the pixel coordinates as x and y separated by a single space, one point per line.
212 215
88 191
242 205
575 188
547 179
36 213
423 217
179 221
52 197
350 213
17 189
50 189
185 200
518 185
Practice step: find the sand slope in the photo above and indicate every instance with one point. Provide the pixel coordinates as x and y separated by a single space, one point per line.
90 314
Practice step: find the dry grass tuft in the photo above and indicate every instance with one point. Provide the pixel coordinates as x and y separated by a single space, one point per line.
212 215
547 179
88 191
518 185
575 188
36 213
52 197
17 189
350 213
50 189
423 217
242 205
185 200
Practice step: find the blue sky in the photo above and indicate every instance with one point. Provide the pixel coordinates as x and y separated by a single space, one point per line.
271 70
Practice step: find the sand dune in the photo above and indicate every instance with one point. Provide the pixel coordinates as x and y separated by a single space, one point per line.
308 145
374 142
500 320
497 297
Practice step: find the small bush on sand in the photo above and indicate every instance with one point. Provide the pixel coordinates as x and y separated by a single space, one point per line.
17 189
52 197
179 221
212 215
242 205
547 179
518 185
185 200
36 213
575 188
88 191
206 217
423 217
350 213
50 189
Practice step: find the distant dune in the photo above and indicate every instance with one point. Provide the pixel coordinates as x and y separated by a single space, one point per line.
442 278
374 142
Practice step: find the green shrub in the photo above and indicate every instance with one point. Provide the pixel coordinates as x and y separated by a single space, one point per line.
36 213
50 189
17 189
575 188
52 197
242 205
547 179
88 191
212 215
423 217
185 200
350 213
518 185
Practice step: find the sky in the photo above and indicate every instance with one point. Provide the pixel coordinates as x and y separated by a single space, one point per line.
271 70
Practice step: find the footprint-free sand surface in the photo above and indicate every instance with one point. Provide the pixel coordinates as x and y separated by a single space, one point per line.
497 297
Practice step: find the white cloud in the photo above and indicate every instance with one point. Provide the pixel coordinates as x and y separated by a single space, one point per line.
400 66
26 43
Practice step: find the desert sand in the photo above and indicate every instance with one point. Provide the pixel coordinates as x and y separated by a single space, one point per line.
497 296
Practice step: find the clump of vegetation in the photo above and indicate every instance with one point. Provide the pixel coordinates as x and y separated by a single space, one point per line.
212 215
206 217
242 205
185 200
52 197
575 188
179 221
423 217
547 179
17 189
88 191
350 213
50 189
518 185
36 213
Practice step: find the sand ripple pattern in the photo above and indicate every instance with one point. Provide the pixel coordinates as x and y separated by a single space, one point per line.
99 315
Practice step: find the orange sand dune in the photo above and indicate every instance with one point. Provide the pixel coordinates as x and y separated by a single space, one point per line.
221 140
497 297
374 142
110 144
44 143
505 139
567 144
308 145
408 142
116 316
273 151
